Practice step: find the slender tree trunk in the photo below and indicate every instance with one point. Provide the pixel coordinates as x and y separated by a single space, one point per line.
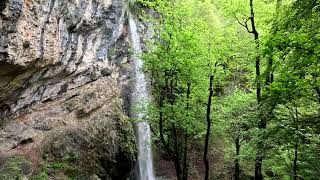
237 164
262 124
256 38
258 173
269 73
206 146
185 156
318 92
177 155
161 121
269 80
295 161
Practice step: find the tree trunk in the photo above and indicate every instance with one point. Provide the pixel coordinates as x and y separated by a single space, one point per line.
256 38
262 123
318 93
237 164
161 101
205 158
177 155
257 170
269 80
185 156
295 161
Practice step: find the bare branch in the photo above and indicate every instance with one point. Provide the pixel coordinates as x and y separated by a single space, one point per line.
244 24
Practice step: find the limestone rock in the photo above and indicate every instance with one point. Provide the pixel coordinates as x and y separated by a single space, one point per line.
50 46
63 72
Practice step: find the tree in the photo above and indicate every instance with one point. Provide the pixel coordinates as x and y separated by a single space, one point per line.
175 62
206 146
292 46
239 115
257 85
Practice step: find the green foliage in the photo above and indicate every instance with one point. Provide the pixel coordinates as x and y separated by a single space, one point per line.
193 40
41 176
178 57
55 169
15 168
294 48
265 12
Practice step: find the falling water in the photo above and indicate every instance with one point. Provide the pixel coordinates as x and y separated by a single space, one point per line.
140 98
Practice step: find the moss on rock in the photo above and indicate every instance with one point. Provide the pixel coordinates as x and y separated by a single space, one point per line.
15 168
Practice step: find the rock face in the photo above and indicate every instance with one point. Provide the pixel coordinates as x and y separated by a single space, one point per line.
63 70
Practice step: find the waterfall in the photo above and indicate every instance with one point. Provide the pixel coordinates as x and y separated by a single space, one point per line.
140 98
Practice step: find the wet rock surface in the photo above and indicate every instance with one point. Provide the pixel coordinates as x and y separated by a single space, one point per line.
63 72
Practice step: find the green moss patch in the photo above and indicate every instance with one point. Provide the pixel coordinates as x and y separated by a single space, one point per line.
15 168
56 169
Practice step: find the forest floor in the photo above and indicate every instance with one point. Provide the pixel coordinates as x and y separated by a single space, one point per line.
165 169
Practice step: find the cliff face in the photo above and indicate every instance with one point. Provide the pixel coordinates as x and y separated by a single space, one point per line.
63 68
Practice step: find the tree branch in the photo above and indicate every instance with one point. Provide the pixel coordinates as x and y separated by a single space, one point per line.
244 24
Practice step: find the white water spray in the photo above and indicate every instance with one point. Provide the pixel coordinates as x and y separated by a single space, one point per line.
140 98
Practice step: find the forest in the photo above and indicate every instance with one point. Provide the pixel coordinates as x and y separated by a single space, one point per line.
235 87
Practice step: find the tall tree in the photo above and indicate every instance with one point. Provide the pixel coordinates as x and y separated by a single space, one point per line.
206 145
262 123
